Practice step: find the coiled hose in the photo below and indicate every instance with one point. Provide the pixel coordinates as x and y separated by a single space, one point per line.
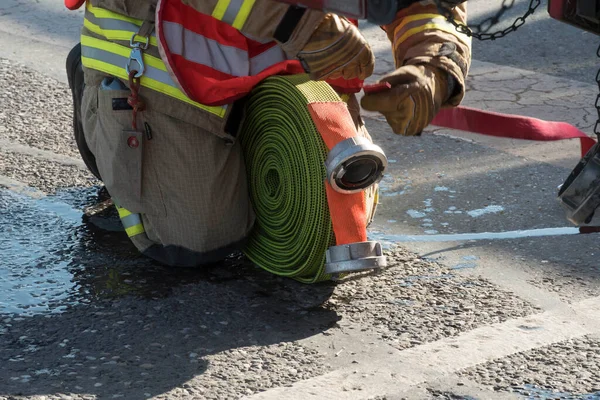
285 156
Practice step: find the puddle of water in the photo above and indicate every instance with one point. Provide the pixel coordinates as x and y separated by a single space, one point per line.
486 210
532 392
416 214
34 275
51 260
461 237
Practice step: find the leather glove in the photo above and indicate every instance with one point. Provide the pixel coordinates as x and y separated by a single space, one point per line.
417 93
337 49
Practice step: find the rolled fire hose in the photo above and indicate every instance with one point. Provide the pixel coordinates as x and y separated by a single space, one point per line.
285 157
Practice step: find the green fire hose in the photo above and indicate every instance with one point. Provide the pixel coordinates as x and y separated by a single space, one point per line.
285 157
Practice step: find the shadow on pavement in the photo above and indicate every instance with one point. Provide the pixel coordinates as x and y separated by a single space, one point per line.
81 312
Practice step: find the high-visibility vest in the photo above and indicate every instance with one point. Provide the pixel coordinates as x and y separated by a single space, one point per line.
201 59
212 61
103 51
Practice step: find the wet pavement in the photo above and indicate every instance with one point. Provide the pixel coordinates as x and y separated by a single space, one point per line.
490 293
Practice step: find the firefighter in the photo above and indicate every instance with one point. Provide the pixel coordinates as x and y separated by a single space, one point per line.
157 120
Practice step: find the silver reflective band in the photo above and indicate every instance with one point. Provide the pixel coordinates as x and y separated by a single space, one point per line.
232 11
354 165
354 257
131 220
229 60
201 50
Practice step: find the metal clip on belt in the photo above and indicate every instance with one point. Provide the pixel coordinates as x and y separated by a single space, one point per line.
354 257
136 56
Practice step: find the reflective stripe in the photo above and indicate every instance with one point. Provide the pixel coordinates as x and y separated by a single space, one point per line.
220 9
208 52
111 58
201 50
232 11
266 59
131 220
422 22
416 17
102 13
243 14
113 29
135 230
123 212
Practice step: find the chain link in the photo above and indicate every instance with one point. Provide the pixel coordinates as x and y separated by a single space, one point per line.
479 31
597 127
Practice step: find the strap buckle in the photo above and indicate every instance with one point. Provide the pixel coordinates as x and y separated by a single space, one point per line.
136 56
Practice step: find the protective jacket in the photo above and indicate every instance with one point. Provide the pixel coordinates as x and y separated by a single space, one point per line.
207 53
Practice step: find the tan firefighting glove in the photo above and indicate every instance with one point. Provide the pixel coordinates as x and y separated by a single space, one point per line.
337 49
417 93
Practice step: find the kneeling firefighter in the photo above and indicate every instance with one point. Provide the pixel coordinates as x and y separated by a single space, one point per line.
201 120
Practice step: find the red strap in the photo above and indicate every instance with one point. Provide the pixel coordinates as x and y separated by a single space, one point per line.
348 211
511 126
74 4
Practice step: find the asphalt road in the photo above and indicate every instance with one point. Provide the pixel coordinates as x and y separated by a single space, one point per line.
82 316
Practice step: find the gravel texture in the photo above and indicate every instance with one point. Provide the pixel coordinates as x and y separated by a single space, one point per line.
214 339
228 374
440 395
566 370
416 301
249 370
570 283
35 110
44 175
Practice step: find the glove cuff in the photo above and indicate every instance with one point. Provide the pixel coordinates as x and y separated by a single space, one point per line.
446 58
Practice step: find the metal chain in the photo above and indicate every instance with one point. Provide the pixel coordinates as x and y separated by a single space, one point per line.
479 31
597 127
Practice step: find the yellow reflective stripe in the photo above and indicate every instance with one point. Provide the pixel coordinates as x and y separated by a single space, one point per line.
416 17
242 16
113 34
220 9
440 27
123 212
135 230
122 51
149 60
150 83
102 13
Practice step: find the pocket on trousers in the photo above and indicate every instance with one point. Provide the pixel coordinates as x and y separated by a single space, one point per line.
121 157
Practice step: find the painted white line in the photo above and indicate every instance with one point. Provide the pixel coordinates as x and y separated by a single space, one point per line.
397 371
460 237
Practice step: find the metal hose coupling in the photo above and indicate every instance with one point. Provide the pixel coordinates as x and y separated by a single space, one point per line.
355 164
354 257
